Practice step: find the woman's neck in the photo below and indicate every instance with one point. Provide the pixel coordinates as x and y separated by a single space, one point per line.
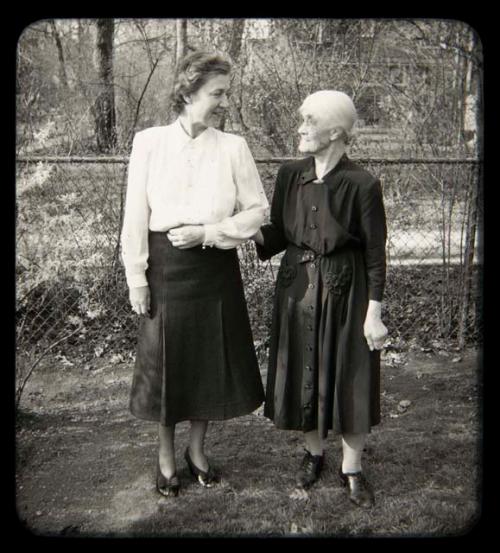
192 128
326 160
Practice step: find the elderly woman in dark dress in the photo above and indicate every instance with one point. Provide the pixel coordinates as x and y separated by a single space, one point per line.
193 195
324 365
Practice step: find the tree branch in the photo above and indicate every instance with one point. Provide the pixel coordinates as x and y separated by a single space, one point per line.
20 390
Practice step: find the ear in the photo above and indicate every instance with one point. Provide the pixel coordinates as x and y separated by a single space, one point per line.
187 99
335 134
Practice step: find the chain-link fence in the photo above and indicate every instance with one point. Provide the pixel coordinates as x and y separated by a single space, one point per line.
71 292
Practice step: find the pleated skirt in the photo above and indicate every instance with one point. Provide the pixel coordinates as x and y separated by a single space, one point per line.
195 355
321 372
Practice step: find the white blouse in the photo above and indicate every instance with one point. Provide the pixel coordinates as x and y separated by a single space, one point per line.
174 180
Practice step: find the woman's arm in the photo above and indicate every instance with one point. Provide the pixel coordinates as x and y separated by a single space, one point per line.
270 238
374 234
134 236
251 204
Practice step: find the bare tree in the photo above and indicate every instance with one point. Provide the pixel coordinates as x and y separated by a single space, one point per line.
181 34
60 53
234 50
104 108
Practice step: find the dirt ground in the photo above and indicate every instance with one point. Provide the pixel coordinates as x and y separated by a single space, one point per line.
85 466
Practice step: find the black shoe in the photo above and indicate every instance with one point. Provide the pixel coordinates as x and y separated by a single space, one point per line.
206 478
169 487
310 470
359 490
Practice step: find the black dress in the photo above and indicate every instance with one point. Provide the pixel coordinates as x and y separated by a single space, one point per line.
322 374
195 355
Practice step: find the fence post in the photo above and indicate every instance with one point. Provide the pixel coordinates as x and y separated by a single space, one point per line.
468 269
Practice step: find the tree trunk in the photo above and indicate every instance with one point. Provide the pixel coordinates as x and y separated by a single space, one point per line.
104 109
474 212
60 54
181 43
234 53
236 39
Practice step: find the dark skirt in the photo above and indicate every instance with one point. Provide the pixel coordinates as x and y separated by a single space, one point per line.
195 356
322 374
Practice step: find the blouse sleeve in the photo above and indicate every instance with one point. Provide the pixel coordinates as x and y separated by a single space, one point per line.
134 237
373 236
273 232
251 204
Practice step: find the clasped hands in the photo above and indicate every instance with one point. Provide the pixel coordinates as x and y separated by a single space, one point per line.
186 236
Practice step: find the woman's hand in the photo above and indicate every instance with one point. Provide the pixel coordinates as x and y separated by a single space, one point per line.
374 329
258 237
140 300
186 236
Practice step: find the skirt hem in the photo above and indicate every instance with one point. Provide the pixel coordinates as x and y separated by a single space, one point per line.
234 413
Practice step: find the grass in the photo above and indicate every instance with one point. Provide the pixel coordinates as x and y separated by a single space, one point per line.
85 466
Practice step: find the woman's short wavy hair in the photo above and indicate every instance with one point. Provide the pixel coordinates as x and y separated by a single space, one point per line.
193 71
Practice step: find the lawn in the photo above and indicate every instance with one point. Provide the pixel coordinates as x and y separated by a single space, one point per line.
85 466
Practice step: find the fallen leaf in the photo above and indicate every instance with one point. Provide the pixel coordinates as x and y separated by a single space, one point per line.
98 351
299 494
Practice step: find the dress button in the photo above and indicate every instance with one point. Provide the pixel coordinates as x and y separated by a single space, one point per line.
314 208
310 285
309 327
309 347
308 367
313 226
313 265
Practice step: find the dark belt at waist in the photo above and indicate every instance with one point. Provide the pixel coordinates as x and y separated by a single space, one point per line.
306 255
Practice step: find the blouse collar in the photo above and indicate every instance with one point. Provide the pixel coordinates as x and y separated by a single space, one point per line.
182 138
308 173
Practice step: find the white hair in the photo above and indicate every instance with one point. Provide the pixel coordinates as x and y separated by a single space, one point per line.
334 106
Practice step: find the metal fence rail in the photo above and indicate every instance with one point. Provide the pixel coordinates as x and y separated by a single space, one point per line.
71 288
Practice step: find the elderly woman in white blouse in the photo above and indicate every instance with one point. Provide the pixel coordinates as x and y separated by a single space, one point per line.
193 195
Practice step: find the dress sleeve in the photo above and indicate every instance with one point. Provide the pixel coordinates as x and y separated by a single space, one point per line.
373 236
134 237
273 232
251 204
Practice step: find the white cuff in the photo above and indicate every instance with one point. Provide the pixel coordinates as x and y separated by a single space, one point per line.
136 281
210 234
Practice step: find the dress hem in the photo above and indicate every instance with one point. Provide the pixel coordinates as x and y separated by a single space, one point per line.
336 431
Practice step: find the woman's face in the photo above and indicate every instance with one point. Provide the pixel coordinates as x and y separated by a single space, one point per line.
315 132
209 102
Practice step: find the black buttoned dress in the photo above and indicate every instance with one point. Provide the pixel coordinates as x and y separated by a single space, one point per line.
321 373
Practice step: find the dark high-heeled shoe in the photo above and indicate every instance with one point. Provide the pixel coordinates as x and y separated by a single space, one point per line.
168 487
206 478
